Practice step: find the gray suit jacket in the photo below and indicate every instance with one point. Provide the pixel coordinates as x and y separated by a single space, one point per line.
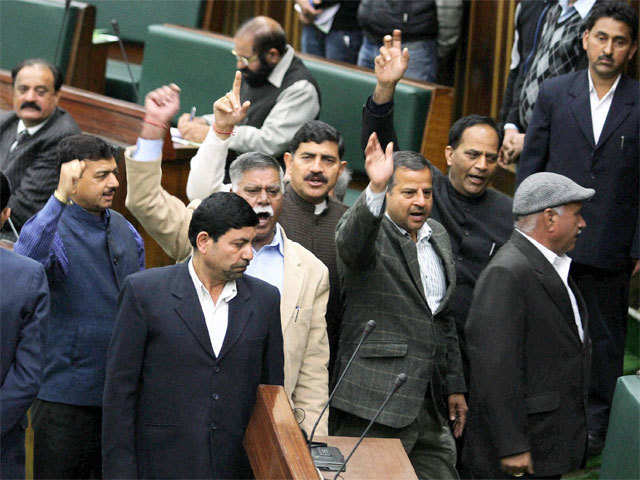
32 167
380 280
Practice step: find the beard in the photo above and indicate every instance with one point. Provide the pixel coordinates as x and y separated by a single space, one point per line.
259 77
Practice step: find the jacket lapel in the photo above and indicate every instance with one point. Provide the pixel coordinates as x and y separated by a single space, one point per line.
550 280
580 106
187 306
293 279
240 314
621 106
409 253
443 250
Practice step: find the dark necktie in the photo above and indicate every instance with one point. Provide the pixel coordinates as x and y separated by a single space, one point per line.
20 139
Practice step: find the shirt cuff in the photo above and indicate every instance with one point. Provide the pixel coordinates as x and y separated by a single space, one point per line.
148 150
511 126
374 201
213 139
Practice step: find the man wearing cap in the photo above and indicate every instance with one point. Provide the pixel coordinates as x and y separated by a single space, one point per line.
527 342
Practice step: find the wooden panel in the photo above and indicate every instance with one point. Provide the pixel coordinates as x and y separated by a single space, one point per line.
375 459
274 443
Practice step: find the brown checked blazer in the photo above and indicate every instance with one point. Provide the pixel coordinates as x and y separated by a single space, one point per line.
380 280
305 289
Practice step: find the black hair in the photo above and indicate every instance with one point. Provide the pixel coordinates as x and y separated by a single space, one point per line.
84 147
219 213
263 41
317 131
30 62
407 159
620 11
5 191
457 129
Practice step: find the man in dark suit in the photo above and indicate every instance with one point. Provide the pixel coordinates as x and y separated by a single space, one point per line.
585 126
29 136
527 342
24 306
191 344
396 267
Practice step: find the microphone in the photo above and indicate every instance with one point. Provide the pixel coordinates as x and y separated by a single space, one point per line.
67 4
400 380
369 327
116 31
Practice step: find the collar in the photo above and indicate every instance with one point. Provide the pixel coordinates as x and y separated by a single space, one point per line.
560 263
464 198
229 291
83 215
583 7
277 74
423 234
277 242
310 207
592 88
321 207
34 129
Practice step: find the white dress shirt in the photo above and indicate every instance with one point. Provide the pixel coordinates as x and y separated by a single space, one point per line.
600 106
561 265
432 273
216 315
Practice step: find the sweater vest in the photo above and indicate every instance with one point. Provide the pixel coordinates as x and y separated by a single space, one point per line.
264 98
101 253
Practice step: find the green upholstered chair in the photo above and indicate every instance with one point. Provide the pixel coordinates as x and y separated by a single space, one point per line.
30 29
621 455
134 16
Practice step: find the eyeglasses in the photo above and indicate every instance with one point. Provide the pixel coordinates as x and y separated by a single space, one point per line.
244 60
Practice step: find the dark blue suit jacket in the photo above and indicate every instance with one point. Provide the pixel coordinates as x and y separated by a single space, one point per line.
24 309
171 408
560 139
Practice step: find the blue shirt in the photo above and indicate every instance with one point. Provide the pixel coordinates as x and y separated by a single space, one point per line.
268 262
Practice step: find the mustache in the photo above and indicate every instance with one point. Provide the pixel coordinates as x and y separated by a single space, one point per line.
33 105
109 191
258 209
316 177
605 57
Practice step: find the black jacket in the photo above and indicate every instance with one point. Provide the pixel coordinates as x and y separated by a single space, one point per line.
529 368
418 19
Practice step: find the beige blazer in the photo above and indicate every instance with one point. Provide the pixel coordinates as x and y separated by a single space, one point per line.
305 288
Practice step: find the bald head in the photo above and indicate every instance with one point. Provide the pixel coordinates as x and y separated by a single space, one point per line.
264 33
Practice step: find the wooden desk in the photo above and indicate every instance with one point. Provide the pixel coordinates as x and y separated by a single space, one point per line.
389 462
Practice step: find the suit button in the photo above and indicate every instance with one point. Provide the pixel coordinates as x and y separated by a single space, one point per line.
216 369
215 396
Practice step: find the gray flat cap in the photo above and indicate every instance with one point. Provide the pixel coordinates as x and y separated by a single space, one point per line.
547 190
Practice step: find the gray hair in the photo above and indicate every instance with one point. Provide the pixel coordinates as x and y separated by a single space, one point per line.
527 223
253 161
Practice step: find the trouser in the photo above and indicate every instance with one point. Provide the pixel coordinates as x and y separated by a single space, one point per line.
428 440
67 441
342 45
423 58
606 294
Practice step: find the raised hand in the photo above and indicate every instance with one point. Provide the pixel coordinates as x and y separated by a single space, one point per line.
390 65
162 104
70 173
307 14
228 111
378 164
